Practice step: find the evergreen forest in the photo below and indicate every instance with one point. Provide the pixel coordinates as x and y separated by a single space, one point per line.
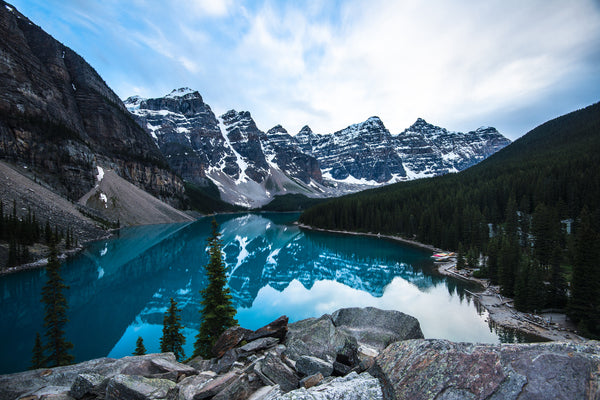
527 217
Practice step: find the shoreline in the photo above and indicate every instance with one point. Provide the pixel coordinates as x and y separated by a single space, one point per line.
499 308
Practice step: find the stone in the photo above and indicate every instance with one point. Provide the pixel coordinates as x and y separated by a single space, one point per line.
259 344
225 363
314 336
229 339
240 389
133 387
189 386
213 386
309 365
161 368
88 384
278 373
340 369
350 387
277 329
312 380
424 369
376 328
200 364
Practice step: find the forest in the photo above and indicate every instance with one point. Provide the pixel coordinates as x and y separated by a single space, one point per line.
528 217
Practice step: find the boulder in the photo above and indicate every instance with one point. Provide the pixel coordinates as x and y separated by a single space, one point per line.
376 328
229 339
189 386
241 388
277 372
85 384
350 387
308 365
314 336
210 388
424 369
277 329
133 387
259 344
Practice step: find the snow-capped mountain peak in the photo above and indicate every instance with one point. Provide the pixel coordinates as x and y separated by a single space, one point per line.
250 166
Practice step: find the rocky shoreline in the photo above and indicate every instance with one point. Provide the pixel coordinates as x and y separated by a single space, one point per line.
354 353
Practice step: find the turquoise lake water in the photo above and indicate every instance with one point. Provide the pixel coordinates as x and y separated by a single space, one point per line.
120 288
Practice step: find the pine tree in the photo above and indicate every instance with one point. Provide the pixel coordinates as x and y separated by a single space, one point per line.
218 313
140 350
55 318
172 339
38 359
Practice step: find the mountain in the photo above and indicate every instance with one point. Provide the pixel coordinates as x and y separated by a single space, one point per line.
428 150
60 124
248 166
251 167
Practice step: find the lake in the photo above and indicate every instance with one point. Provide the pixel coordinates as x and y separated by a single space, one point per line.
120 288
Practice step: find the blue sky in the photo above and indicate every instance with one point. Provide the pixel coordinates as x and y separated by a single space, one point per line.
459 64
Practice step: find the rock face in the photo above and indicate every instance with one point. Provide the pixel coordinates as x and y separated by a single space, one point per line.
60 119
265 369
428 150
426 369
250 166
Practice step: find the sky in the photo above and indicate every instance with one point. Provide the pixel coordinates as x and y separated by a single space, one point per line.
461 64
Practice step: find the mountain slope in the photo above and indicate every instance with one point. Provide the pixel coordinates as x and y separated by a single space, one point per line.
555 164
59 118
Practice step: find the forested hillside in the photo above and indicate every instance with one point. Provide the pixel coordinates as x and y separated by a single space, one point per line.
508 208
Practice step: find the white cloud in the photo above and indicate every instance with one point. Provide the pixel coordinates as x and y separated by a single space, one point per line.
459 64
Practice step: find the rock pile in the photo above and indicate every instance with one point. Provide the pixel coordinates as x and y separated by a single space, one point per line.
355 353
324 357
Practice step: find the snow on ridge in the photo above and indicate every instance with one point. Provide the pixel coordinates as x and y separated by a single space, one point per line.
242 164
181 92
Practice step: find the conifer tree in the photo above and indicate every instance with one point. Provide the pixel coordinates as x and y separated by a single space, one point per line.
218 313
55 318
172 339
460 257
140 350
38 359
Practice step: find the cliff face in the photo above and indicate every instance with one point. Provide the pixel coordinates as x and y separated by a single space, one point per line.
58 117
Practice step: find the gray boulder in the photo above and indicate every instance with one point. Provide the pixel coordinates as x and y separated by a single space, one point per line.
86 384
314 336
308 365
277 372
133 387
425 369
350 387
376 328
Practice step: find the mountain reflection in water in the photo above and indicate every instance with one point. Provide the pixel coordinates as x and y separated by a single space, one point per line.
120 288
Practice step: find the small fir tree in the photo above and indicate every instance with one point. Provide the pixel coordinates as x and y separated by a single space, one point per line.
140 350
460 257
55 318
172 339
218 313
38 358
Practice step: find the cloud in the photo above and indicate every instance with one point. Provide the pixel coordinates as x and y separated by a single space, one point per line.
329 64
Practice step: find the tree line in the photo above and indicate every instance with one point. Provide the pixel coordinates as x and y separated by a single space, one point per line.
22 232
506 211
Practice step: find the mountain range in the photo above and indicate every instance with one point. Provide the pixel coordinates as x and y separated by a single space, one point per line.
250 166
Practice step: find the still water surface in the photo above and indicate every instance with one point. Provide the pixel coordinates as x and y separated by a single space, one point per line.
120 288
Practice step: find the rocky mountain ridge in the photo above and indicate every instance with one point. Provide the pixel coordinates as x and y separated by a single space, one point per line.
250 166
354 353
60 120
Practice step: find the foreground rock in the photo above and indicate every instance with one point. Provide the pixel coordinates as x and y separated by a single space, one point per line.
427 369
352 354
